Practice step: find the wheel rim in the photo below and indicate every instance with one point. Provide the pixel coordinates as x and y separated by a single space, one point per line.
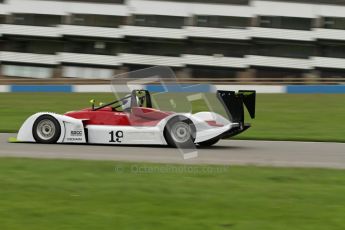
180 132
46 129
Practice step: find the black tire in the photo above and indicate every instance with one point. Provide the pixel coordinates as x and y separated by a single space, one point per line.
180 132
208 142
46 130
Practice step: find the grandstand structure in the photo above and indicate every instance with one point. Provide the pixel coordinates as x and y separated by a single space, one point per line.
220 40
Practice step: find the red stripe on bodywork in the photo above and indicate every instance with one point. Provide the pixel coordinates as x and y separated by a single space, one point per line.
214 123
106 116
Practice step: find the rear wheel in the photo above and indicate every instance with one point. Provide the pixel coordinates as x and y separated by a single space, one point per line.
180 132
46 129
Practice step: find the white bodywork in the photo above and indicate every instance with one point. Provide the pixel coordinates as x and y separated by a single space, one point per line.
73 130
67 124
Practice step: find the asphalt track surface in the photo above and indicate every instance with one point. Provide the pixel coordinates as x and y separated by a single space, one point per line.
226 152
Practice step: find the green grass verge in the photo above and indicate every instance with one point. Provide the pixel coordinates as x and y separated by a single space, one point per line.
58 194
279 116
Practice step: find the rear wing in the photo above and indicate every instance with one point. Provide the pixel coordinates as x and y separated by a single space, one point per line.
234 104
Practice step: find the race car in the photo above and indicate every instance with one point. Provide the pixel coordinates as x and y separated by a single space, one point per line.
133 120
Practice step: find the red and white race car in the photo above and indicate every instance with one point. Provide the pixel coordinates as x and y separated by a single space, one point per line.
132 120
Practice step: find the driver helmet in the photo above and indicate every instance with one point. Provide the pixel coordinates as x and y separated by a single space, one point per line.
126 104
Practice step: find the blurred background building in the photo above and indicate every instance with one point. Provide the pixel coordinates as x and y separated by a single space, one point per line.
199 39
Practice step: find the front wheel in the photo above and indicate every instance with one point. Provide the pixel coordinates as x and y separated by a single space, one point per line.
46 129
180 132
